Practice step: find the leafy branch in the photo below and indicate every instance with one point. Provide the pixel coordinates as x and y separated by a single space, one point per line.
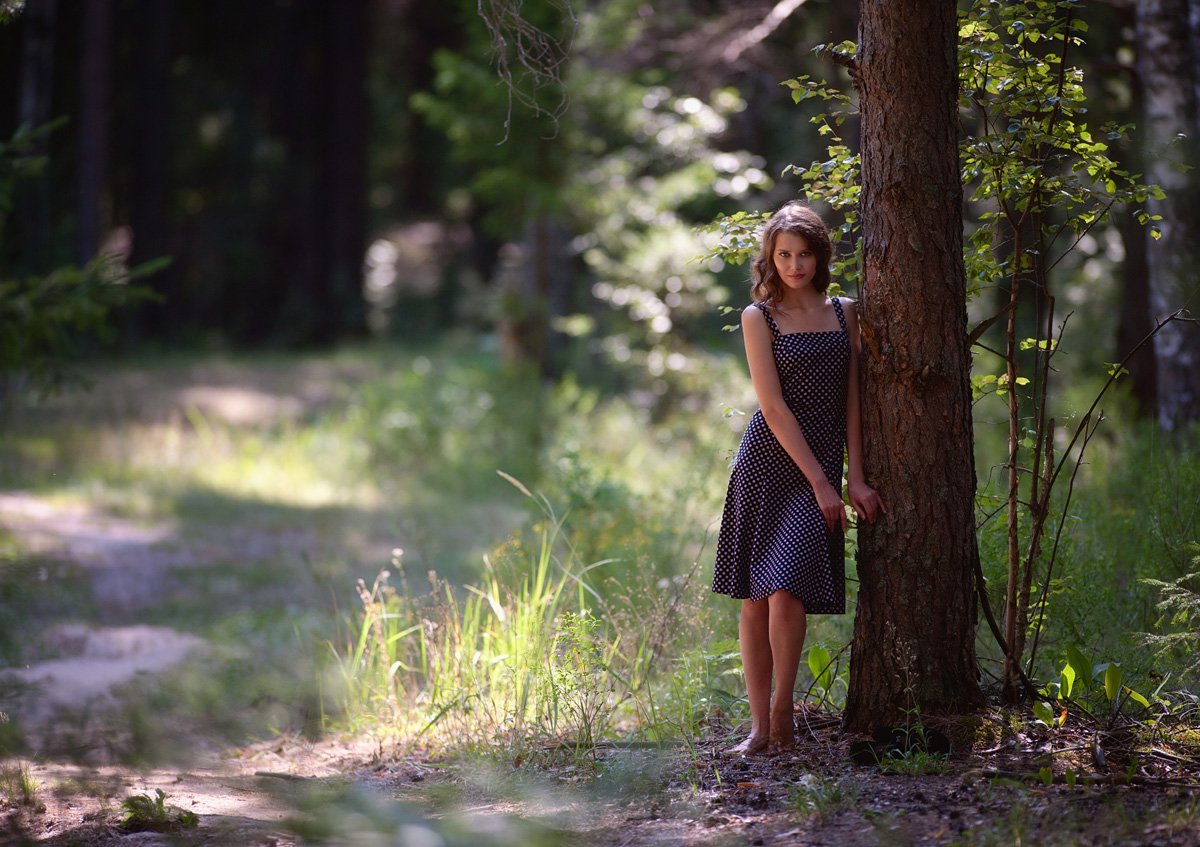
1038 179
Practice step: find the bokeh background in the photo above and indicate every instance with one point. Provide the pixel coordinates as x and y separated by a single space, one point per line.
285 283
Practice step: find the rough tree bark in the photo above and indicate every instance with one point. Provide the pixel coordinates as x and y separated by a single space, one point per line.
914 633
1169 67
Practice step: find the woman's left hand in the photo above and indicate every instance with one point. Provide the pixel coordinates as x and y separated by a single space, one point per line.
866 501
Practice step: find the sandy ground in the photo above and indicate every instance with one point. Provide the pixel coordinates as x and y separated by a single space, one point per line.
98 659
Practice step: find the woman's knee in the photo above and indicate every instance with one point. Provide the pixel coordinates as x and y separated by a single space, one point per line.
786 601
755 610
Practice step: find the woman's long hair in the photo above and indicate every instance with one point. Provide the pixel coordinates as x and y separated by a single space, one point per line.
796 218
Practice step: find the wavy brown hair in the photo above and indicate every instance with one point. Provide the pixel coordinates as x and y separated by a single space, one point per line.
796 218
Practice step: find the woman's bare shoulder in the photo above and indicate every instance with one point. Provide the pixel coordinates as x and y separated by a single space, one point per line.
754 312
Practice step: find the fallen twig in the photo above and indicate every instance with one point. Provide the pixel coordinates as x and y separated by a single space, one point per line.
279 775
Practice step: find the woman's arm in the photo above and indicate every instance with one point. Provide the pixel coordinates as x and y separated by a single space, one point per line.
781 420
865 500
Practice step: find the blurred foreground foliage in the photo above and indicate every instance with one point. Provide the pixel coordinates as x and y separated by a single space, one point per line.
50 318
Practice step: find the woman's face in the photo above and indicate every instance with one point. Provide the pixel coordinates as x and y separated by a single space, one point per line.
795 263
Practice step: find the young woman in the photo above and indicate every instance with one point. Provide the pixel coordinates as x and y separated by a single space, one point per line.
780 550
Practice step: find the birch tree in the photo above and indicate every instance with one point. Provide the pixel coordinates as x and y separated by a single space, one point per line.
1168 39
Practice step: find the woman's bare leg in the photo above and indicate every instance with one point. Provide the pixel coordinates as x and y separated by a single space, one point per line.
755 642
787 625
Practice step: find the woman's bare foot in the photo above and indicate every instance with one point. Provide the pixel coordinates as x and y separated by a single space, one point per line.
752 746
783 729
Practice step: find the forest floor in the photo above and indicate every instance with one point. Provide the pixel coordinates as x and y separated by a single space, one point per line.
288 790
156 648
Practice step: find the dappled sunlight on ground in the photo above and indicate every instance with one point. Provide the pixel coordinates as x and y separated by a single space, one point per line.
240 406
81 804
96 659
178 556
179 545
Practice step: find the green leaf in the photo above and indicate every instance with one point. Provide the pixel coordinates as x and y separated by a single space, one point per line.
1067 680
1112 680
1137 697
1081 666
1047 776
819 662
1043 712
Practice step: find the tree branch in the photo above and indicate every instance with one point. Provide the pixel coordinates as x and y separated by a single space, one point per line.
751 37
517 43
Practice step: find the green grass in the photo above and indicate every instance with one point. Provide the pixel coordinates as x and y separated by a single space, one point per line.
1132 517
18 786
573 613
532 654
400 449
820 797
914 763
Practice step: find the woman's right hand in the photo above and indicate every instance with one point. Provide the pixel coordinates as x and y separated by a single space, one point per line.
833 510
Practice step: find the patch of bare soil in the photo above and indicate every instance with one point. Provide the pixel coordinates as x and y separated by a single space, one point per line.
814 795
128 563
262 795
96 660
129 566
259 393
82 806
994 795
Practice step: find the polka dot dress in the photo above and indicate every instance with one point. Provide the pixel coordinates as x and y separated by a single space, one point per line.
772 533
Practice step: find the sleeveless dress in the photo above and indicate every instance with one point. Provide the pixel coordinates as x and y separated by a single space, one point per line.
772 533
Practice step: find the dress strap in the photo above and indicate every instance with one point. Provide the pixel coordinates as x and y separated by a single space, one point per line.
770 320
837 307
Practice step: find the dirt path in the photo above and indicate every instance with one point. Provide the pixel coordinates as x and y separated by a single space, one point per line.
129 566
287 792
126 565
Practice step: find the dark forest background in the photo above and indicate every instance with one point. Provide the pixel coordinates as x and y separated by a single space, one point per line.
319 171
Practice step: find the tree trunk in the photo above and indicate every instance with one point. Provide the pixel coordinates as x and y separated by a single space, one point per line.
95 87
533 284
346 162
296 306
150 178
1167 65
1133 318
34 110
914 633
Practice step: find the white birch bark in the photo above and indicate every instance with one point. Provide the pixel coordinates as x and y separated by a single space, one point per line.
1169 66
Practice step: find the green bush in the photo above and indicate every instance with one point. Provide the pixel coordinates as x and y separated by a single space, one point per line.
1132 525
